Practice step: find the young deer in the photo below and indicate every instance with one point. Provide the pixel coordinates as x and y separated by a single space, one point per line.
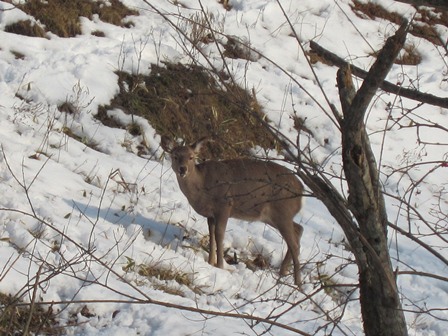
246 189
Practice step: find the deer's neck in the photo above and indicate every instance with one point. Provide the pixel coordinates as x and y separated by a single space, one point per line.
192 185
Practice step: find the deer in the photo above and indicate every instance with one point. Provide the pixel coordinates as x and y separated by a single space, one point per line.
242 188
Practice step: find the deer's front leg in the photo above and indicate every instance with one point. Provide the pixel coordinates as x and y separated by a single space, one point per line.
220 230
212 242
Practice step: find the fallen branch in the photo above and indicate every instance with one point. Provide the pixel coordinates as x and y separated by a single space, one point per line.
385 85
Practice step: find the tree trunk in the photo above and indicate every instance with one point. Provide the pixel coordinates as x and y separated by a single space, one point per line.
380 303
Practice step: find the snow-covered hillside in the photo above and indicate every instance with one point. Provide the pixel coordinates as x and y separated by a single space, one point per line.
88 219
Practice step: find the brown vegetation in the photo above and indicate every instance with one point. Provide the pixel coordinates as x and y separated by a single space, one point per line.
61 17
423 25
186 102
26 28
16 316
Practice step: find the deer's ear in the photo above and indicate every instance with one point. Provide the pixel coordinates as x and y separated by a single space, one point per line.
167 143
196 146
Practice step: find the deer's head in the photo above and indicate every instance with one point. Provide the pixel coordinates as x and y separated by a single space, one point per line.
183 157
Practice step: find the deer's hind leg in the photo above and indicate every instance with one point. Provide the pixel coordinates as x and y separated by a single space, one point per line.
288 258
292 234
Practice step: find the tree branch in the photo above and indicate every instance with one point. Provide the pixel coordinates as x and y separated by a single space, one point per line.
376 75
385 85
419 242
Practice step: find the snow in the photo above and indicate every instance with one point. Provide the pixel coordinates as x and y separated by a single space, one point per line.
62 199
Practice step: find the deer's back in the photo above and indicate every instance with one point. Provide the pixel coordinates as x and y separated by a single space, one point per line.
254 189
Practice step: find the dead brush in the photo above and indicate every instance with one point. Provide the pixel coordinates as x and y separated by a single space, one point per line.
165 274
423 25
14 315
61 17
184 101
161 277
409 55
26 28
199 28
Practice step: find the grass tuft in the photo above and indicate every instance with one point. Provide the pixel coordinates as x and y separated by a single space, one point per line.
422 27
26 28
61 17
14 316
168 280
186 102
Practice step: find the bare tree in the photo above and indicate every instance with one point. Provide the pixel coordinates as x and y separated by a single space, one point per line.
380 302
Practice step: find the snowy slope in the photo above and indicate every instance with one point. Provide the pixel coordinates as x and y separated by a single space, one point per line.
65 203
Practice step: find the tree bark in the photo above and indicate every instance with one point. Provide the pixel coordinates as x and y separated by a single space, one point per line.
380 302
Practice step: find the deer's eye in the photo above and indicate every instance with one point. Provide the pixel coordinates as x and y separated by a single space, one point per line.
191 157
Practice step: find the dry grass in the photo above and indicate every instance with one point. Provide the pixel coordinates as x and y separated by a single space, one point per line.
61 17
372 11
14 317
408 56
164 274
186 102
422 27
163 278
26 28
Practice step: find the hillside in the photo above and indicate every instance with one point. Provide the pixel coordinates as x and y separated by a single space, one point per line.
95 236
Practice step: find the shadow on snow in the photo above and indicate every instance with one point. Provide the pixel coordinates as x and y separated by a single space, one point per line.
160 233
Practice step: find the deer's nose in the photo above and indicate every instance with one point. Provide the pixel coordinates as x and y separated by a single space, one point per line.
182 171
